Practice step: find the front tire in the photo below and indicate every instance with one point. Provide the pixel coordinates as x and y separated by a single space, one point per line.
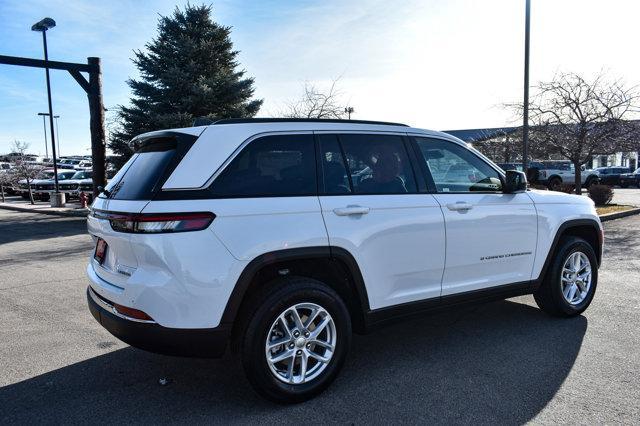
570 283
554 183
295 340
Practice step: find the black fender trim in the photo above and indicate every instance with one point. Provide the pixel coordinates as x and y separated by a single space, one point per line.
554 245
302 253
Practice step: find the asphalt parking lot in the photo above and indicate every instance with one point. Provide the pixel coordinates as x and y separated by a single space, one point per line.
504 362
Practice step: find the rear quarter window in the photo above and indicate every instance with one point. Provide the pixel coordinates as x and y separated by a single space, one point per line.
278 165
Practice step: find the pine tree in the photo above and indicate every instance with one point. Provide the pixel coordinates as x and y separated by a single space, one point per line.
188 71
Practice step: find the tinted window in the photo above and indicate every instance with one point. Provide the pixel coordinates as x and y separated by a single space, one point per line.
457 169
66 175
139 176
81 175
378 164
334 173
270 166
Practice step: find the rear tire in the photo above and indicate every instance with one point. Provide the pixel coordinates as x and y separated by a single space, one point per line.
265 319
591 181
564 291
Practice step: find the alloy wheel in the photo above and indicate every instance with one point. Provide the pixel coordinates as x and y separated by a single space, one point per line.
575 280
300 343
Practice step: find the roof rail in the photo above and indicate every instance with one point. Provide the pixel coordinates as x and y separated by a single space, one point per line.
303 120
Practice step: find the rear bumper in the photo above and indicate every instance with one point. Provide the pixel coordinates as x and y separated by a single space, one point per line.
149 336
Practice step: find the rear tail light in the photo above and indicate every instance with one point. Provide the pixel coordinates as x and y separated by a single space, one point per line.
157 223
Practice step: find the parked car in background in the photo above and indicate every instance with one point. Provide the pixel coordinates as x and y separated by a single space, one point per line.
511 166
84 165
22 188
68 163
4 166
80 182
611 175
554 173
630 179
43 188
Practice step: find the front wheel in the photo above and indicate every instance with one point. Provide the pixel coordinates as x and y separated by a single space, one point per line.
296 340
570 283
554 183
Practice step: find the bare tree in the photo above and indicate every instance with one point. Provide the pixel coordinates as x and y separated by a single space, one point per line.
578 118
24 169
6 180
316 103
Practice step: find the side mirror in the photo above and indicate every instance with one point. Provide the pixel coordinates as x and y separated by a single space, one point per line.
515 181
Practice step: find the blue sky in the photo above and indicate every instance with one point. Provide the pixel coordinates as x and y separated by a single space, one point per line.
430 63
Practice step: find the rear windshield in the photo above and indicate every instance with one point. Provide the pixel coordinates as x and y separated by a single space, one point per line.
139 177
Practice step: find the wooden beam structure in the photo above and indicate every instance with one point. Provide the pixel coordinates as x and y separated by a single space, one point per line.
93 89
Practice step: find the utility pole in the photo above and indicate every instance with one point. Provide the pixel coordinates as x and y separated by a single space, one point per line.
525 115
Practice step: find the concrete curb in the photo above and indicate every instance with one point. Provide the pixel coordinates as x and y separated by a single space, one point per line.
51 212
618 215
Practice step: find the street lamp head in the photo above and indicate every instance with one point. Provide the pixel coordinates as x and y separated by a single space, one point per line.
43 114
43 25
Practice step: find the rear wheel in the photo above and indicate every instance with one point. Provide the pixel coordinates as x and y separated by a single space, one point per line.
570 283
295 340
591 181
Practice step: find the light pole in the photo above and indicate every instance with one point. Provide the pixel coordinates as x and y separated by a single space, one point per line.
42 26
57 132
44 127
525 112
46 114
349 111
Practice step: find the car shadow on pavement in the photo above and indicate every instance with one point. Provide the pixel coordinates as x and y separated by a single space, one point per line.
500 362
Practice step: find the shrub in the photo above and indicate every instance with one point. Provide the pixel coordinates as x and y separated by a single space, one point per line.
601 194
566 188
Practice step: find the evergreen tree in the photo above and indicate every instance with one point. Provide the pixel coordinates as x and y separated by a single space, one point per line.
188 71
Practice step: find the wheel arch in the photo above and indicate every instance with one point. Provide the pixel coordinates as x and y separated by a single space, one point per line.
334 266
587 229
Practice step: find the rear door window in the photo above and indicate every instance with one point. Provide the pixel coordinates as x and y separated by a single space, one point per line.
335 178
377 164
270 166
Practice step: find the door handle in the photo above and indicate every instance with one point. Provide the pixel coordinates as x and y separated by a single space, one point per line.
459 206
351 210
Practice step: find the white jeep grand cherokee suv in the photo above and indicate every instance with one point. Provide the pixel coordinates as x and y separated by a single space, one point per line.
279 238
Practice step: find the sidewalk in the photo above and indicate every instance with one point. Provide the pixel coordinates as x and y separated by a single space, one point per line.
44 207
